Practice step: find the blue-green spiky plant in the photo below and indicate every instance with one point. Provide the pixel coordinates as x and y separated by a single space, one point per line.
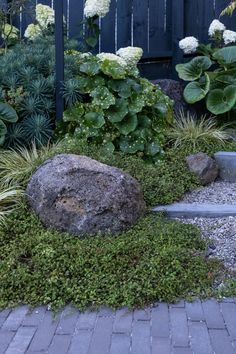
37 129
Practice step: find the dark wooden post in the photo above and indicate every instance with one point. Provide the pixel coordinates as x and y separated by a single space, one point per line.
59 53
177 33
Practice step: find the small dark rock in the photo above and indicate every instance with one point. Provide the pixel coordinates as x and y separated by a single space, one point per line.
204 167
79 195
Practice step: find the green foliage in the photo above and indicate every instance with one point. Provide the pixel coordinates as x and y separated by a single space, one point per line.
9 197
7 115
212 76
189 132
157 260
118 110
229 9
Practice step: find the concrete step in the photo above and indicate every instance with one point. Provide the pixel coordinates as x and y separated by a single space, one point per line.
227 165
193 210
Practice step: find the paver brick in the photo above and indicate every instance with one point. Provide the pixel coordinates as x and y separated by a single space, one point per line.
105 311
21 340
141 341
161 346
60 344
5 340
194 311
101 339
182 351
221 341
44 334
229 314
68 320
33 318
160 322
86 320
179 327
123 321
180 303
120 344
15 318
142 315
4 313
80 342
199 338
213 315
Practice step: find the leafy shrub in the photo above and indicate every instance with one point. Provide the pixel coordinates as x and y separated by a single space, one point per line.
157 260
191 132
118 110
212 75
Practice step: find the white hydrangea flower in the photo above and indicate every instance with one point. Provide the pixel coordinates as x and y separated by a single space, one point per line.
96 8
112 57
44 15
189 45
9 32
131 55
32 31
215 26
229 36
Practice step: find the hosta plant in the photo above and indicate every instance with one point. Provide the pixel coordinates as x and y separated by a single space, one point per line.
117 109
211 74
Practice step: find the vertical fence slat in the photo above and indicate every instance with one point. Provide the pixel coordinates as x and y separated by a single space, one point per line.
140 24
124 23
177 32
108 28
76 12
59 56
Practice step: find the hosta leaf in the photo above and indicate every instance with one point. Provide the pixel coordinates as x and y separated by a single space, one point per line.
196 91
117 112
7 113
95 120
226 55
128 124
194 69
221 101
102 97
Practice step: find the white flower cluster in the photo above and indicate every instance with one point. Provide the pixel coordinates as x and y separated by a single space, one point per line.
229 37
44 15
9 32
215 27
96 8
131 55
112 57
189 45
32 32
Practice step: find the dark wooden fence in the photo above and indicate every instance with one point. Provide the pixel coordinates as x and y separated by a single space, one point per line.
155 25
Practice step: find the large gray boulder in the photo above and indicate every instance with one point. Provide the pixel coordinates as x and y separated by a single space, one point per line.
204 167
79 195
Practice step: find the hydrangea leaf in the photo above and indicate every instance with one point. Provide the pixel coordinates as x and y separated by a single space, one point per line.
95 120
90 68
113 69
194 69
117 112
128 124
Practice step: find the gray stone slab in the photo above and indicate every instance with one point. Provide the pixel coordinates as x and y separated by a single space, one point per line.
60 344
160 322
213 315
179 327
80 342
34 317
44 334
221 341
68 320
192 210
227 165
105 311
15 318
194 311
123 321
86 320
229 314
161 346
180 303
120 344
4 313
21 340
142 315
101 339
181 351
199 338
141 339
5 340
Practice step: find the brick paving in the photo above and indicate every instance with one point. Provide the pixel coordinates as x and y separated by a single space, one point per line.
207 327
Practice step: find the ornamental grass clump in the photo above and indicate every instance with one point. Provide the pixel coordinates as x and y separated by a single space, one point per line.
9 196
211 74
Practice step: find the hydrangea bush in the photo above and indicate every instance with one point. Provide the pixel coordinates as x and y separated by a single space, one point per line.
118 109
211 74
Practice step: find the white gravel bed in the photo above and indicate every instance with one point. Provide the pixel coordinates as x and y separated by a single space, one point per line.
221 231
